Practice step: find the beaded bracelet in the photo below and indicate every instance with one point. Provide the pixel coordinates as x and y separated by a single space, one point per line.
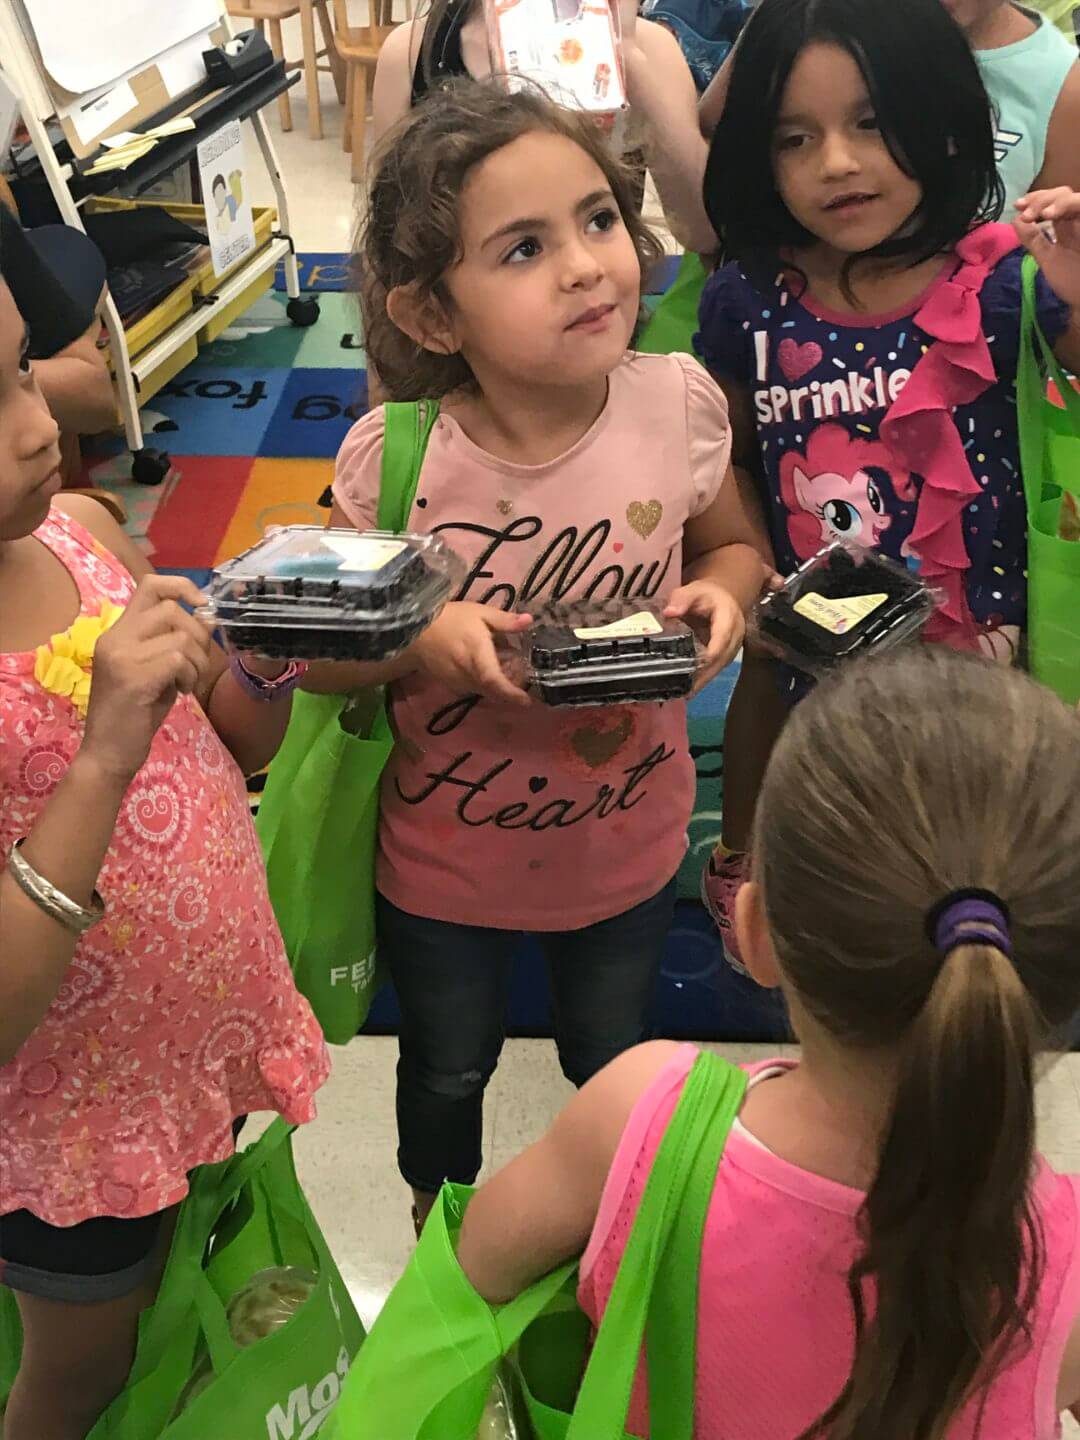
259 688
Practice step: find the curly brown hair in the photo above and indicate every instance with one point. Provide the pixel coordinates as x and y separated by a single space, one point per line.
410 234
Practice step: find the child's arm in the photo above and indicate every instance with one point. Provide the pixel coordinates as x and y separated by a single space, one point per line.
1061 160
1060 262
727 557
153 652
540 1209
252 730
660 88
76 386
724 572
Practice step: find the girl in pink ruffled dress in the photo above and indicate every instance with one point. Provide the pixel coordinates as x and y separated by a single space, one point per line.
146 1002
866 327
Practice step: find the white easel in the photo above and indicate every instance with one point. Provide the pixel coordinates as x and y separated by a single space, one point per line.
20 66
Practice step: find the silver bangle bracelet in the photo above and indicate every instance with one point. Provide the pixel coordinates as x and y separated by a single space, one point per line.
47 897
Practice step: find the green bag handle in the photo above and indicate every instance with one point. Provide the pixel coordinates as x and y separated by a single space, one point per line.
1031 394
672 1322
668 1228
213 1317
213 1189
408 427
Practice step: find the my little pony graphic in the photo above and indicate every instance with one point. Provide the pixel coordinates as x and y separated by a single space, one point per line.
840 490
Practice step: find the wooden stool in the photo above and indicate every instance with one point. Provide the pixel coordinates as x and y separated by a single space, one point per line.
358 47
268 15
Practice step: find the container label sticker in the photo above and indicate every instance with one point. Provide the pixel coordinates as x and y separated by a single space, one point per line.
629 628
364 552
838 615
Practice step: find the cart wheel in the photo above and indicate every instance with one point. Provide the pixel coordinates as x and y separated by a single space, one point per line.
303 312
150 467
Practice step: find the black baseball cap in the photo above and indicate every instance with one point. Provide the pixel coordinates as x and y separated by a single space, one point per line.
56 275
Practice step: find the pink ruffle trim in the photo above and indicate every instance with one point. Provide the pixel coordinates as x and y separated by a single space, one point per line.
921 428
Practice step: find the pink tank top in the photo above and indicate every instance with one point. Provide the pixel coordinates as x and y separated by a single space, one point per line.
178 1012
775 1330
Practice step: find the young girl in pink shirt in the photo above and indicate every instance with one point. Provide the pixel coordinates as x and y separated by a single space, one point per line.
502 262
146 1003
885 1254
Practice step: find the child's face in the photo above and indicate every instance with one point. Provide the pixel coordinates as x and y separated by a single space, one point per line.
550 283
833 169
29 437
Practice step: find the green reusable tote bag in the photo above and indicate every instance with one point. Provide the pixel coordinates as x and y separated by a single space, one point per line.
427 1368
191 1379
319 817
1050 458
674 323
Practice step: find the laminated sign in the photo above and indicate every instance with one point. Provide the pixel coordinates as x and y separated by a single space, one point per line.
225 193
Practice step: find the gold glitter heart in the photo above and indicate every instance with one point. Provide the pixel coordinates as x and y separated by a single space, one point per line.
597 745
504 506
644 516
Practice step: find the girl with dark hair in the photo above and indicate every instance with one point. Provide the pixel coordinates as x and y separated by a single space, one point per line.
501 262
885 1256
867 290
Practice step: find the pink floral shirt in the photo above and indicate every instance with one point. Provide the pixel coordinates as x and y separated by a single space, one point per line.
178 1012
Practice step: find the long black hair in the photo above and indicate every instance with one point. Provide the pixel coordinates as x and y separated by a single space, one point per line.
933 110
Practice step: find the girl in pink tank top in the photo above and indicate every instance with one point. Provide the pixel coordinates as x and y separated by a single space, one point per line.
146 1003
886 1256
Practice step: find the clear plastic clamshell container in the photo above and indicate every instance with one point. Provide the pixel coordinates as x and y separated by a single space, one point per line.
842 602
306 593
608 652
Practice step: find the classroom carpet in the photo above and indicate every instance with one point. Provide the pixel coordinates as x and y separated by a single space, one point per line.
253 427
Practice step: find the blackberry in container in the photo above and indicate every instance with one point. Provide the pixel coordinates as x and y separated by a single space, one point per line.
307 593
842 602
608 652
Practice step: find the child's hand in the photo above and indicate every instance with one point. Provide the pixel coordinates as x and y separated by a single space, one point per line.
715 614
1059 262
153 653
458 650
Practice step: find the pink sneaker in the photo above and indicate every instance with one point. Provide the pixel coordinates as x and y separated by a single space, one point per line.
720 882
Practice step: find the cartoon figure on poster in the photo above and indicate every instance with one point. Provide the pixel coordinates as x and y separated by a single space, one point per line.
227 197
224 187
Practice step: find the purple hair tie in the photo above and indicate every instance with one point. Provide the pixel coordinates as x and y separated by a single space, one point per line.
967 916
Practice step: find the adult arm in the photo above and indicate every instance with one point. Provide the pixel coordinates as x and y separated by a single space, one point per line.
391 96
660 89
711 105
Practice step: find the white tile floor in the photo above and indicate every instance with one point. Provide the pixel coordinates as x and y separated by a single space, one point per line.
346 1160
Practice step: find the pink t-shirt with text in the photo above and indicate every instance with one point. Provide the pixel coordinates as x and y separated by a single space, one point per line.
547 819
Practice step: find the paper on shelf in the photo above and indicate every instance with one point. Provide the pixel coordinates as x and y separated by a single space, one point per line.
94 117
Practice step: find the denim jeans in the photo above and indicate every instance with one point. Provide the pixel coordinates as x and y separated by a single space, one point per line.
452 983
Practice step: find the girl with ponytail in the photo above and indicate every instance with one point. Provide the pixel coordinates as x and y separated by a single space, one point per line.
886 1256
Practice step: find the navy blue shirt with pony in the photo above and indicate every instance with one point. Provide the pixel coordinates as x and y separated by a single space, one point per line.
938 487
